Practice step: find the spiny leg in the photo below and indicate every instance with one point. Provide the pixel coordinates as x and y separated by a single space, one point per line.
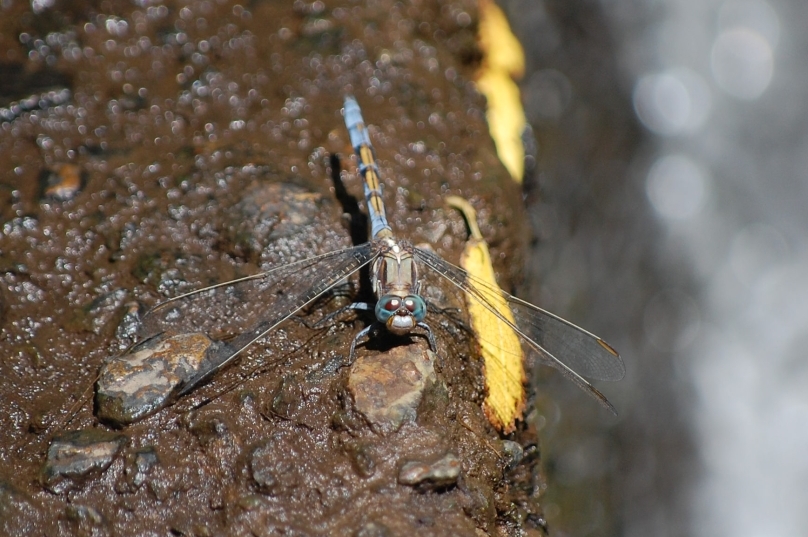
362 333
433 345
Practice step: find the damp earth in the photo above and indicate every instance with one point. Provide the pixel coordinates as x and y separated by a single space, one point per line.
148 149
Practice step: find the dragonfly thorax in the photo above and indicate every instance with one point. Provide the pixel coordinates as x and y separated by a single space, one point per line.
395 272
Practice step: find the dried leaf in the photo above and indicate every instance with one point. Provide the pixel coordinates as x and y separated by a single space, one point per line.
500 347
503 60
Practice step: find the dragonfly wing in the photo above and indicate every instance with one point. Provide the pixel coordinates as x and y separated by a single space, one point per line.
572 350
254 305
582 351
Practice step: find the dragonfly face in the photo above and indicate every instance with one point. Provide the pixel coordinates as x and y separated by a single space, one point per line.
400 314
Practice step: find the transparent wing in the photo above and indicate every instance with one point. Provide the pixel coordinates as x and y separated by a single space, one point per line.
572 350
252 306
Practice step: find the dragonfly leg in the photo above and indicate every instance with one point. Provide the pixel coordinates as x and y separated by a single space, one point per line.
361 334
433 345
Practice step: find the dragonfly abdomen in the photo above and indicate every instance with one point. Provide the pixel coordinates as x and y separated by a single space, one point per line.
367 168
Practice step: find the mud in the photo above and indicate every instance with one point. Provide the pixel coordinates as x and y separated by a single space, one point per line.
142 183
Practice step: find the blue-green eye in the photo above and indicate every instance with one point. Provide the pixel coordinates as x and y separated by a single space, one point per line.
386 307
416 305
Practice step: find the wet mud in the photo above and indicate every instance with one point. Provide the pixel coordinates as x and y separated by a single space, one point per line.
149 149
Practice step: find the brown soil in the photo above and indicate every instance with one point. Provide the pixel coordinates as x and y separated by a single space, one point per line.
139 184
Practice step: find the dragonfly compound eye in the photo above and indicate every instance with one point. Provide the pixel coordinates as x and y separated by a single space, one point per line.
416 306
387 306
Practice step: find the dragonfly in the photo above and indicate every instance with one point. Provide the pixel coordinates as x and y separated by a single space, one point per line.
265 300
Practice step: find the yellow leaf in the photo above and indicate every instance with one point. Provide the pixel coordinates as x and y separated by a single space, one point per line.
500 347
503 60
502 50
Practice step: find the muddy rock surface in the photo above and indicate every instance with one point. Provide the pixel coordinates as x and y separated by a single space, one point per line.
148 149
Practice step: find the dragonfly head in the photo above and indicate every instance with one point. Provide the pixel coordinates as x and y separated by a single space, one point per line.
400 315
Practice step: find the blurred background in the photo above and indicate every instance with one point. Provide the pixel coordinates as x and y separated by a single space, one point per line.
670 219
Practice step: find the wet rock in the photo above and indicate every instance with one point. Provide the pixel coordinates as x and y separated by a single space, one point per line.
288 398
86 520
274 473
513 453
436 475
76 455
387 387
207 429
130 323
137 468
361 457
348 419
83 515
137 384
270 211
251 502
99 315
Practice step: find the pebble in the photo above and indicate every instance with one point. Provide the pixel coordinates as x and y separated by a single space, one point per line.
387 387
84 514
436 475
138 466
362 458
75 455
141 382
275 473
513 453
373 529
130 323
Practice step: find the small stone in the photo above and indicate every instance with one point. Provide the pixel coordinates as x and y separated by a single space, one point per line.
63 182
82 513
361 457
513 453
437 475
138 466
251 502
137 384
275 473
75 455
387 387
373 529
86 520
207 429
128 327
288 398
98 315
